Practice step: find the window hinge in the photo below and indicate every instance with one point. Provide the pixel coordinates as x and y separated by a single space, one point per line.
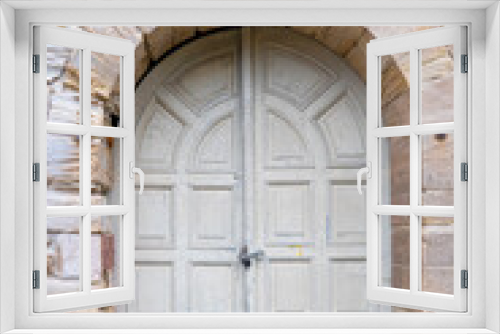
464 172
465 63
465 279
36 279
36 172
36 63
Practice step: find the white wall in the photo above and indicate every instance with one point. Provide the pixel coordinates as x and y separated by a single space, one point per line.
492 163
7 160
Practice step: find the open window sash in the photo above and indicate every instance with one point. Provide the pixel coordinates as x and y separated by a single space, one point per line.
380 208
78 222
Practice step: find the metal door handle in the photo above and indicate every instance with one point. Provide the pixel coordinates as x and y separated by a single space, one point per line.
136 170
366 170
255 255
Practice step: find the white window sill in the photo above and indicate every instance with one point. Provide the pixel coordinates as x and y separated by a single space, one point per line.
251 331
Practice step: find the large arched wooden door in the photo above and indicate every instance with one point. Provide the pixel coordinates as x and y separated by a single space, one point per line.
309 141
250 137
189 144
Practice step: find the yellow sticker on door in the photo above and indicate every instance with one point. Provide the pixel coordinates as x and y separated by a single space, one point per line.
298 248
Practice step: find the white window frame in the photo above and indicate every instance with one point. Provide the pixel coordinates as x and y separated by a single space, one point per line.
85 43
413 43
477 317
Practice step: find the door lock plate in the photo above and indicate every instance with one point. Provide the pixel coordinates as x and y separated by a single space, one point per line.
246 257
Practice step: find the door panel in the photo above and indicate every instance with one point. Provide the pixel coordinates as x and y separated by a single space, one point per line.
191 148
211 217
215 150
288 216
214 287
285 145
159 124
347 225
291 285
155 227
348 278
338 123
154 286
289 206
308 141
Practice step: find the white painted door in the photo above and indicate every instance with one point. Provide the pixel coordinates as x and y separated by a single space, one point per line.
189 221
251 137
308 123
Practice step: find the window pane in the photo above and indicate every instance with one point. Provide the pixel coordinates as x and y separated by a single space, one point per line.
63 84
394 251
437 169
437 254
106 252
63 169
395 171
105 89
437 84
106 155
63 255
395 89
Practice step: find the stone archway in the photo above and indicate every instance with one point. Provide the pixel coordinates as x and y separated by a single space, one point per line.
347 42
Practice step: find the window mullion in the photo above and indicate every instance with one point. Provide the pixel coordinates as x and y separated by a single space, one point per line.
414 170
67 129
392 210
67 211
86 174
430 129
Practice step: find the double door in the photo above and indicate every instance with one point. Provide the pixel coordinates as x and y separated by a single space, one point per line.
250 140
